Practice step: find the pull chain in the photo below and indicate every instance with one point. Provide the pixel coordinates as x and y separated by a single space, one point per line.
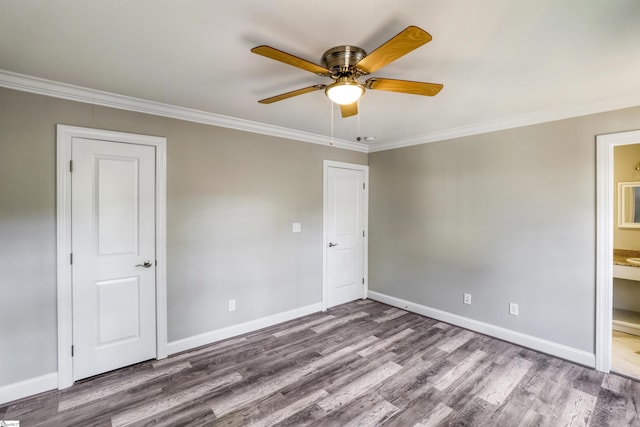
331 142
358 120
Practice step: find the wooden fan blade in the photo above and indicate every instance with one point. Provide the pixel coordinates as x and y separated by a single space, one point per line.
291 94
407 40
287 58
349 109
404 86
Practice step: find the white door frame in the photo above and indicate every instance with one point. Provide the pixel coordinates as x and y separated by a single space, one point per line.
604 241
65 134
325 217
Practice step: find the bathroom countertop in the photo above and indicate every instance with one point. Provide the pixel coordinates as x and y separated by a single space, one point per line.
620 257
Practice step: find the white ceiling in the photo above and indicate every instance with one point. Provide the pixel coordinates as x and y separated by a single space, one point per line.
497 59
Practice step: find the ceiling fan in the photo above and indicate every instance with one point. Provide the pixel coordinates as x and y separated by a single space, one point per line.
345 64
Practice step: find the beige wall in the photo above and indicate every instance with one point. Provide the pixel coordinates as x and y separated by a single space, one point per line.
231 199
626 157
626 293
507 216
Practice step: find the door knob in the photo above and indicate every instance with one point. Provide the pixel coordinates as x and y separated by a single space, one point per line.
146 264
331 244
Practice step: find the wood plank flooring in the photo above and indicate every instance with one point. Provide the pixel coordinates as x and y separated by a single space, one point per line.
359 364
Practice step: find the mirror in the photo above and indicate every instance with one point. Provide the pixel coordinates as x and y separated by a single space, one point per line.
629 204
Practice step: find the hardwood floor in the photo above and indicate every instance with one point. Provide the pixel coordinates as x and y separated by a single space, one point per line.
359 364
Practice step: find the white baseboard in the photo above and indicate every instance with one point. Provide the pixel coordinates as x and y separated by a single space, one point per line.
32 386
559 350
47 382
15 391
242 328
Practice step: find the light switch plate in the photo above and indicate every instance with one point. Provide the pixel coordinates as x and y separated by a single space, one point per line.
297 227
513 309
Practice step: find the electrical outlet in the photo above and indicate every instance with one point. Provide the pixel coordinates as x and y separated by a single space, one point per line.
297 227
513 309
232 305
467 299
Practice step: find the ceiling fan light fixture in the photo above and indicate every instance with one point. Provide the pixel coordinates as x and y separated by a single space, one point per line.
346 64
344 91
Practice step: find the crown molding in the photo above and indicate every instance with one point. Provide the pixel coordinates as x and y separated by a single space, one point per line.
513 122
55 89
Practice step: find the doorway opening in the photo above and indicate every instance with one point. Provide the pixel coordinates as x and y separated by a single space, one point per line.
617 240
625 350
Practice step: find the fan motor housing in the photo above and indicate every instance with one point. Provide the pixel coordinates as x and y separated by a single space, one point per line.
342 59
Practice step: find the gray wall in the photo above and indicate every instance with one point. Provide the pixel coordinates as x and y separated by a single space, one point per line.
507 216
231 199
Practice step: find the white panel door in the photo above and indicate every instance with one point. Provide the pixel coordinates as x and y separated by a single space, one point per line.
113 245
345 235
